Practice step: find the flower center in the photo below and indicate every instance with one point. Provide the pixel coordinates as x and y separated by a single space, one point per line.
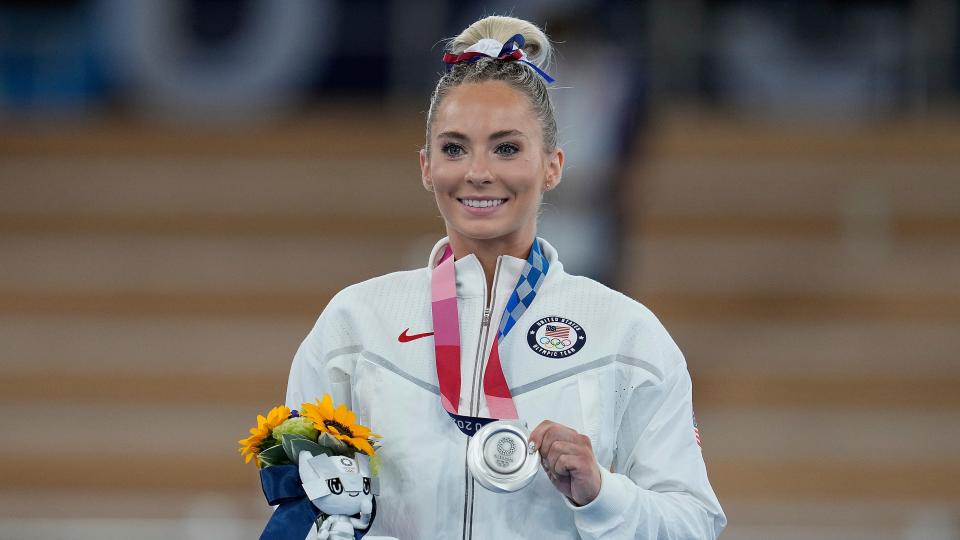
340 427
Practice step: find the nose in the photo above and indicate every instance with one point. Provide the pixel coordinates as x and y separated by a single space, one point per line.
479 171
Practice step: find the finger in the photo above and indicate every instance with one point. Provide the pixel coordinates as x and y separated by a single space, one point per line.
548 430
568 464
560 450
536 436
545 465
557 449
554 433
551 433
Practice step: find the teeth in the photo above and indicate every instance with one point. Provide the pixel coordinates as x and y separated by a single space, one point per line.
482 203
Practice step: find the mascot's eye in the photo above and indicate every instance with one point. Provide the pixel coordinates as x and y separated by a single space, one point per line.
366 486
335 486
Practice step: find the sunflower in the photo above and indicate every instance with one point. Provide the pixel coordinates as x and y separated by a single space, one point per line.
251 446
339 423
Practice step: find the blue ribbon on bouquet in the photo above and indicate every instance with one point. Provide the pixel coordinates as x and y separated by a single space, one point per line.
295 514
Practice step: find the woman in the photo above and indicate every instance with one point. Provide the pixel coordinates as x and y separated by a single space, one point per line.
494 328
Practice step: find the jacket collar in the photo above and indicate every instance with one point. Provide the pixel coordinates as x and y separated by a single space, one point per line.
470 278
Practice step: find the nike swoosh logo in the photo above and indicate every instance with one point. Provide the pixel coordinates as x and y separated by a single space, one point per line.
405 338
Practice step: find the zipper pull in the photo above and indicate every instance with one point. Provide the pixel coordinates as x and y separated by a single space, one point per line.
486 317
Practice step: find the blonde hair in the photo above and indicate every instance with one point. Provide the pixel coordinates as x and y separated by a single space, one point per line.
539 51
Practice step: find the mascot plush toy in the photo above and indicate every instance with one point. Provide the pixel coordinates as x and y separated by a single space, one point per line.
340 487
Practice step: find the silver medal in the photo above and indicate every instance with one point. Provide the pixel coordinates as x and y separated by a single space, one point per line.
501 458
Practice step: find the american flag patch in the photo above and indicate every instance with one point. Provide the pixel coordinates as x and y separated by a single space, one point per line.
696 431
557 331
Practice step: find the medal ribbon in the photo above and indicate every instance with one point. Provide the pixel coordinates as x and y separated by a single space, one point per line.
446 336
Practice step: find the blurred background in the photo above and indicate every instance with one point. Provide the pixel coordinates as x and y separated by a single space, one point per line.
185 184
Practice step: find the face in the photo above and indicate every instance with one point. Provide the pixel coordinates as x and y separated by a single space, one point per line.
487 166
347 481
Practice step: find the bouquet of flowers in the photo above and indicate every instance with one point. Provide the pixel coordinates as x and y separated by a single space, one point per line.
307 460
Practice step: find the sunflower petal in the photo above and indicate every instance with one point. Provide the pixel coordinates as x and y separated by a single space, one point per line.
344 416
360 431
250 446
362 445
326 407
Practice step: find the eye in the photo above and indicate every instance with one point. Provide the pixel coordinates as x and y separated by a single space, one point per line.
366 486
452 149
507 149
335 486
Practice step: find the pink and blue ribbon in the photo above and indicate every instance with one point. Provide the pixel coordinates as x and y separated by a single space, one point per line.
446 335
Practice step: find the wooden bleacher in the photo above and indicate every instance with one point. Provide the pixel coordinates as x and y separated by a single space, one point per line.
155 284
810 276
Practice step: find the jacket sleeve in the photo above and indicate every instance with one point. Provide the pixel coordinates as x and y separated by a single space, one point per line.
660 489
324 362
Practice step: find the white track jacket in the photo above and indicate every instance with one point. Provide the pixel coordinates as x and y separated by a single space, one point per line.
625 385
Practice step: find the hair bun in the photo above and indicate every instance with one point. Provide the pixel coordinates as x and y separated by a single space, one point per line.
537 46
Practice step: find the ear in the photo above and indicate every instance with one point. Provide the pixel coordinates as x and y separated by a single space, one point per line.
425 170
554 169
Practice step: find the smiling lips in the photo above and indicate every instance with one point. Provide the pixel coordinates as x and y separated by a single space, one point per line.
482 203
481 206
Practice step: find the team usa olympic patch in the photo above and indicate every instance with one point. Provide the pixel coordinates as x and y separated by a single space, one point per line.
556 337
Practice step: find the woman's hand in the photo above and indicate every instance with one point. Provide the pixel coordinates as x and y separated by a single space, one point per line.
567 457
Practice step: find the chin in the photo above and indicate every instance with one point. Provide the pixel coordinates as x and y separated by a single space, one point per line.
483 233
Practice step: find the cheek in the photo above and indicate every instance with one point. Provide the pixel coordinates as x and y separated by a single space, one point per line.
523 176
445 176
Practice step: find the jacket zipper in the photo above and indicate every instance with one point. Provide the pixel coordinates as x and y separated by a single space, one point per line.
474 398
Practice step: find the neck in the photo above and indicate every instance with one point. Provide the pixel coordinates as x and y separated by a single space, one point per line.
487 251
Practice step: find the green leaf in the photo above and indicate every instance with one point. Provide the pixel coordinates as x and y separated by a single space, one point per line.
287 438
294 445
275 455
336 446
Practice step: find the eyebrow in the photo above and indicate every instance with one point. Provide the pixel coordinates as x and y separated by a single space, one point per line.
456 135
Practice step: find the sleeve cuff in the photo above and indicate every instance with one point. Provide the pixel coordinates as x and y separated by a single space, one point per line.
608 508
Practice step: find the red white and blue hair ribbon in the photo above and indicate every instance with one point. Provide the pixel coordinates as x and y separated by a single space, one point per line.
511 51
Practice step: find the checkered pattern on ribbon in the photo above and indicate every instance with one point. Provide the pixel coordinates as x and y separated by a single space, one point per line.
530 280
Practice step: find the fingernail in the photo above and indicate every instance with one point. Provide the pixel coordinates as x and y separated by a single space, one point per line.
531 447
